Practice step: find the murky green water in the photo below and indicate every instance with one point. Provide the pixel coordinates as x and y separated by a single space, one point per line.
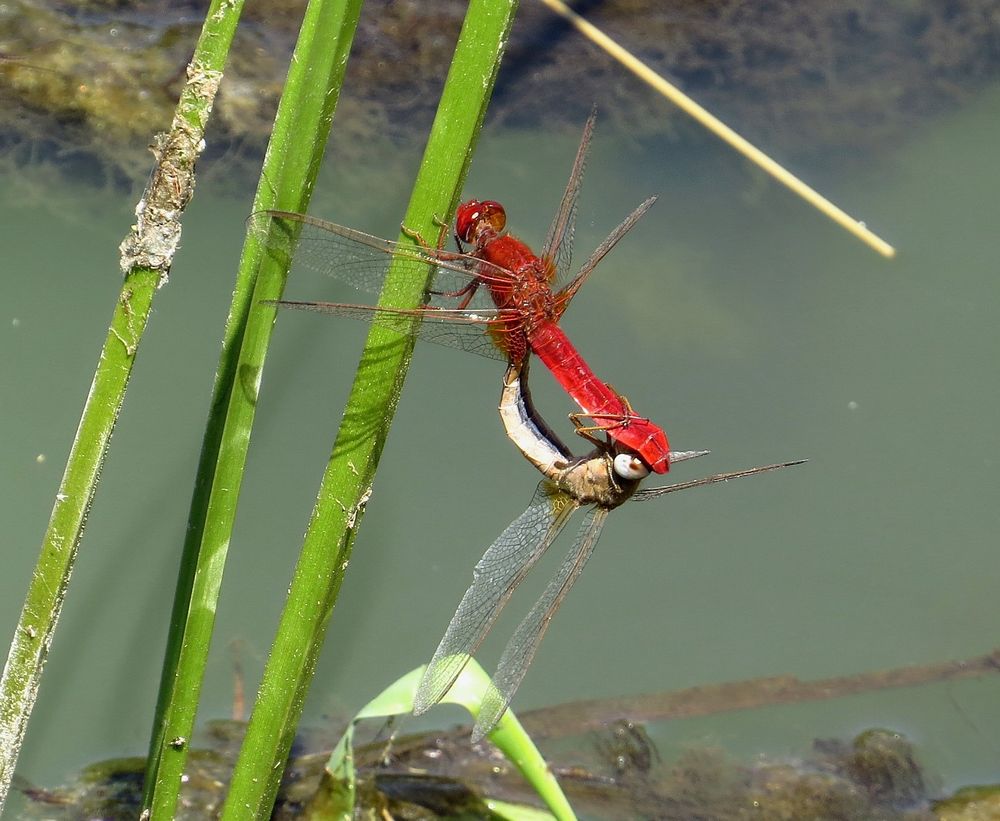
734 316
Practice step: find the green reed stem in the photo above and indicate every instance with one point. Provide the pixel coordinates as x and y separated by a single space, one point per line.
146 257
301 129
347 482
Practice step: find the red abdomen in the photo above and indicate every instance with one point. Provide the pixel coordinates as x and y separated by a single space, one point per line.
597 400
528 293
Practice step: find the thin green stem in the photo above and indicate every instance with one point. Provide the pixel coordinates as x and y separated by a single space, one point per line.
47 590
300 133
146 257
347 482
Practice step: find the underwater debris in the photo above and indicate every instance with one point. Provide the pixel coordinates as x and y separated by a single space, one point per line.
875 775
85 91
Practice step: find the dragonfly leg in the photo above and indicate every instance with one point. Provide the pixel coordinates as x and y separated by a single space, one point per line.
587 431
629 413
418 238
604 422
443 228
467 291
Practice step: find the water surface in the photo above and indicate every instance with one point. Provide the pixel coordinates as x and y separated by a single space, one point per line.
734 316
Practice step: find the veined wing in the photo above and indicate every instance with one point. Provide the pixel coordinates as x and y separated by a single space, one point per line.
468 330
653 492
362 260
558 245
568 291
501 569
524 644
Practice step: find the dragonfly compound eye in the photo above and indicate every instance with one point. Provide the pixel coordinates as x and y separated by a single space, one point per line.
466 218
631 467
493 214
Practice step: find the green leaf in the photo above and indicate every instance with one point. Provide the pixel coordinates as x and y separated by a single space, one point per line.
467 691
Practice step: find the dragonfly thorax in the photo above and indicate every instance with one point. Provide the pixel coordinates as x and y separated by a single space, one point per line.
534 304
593 481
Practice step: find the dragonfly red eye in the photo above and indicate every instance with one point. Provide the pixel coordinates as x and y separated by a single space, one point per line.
493 214
472 214
465 219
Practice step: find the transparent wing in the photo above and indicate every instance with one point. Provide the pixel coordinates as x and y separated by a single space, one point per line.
362 260
480 332
501 569
567 292
523 645
559 241
653 492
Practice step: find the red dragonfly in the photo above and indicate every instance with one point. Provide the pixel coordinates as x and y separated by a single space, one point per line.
604 480
496 300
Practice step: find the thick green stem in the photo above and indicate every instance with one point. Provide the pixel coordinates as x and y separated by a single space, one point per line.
347 482
300 133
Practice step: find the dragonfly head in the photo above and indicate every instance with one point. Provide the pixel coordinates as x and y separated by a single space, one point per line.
476 218
630 467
